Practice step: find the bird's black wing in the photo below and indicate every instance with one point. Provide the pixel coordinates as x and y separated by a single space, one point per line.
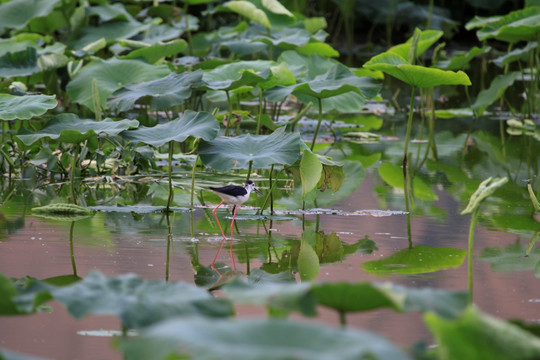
232 190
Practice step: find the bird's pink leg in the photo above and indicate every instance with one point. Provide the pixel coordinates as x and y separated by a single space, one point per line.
222 241
232 224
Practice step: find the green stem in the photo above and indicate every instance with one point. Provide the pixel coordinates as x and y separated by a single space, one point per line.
409 126
259 121
171 192
188 31
318 124
169 243
271 187
193 181
72 174
342 319
249 169
229 114
71 249
470 254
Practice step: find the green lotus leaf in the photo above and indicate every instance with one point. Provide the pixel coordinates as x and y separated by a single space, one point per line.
276 7
318 48
511 258
136 301
197 124
249 11
161 33
283 296
256 339
393 176
519 25
417 260
480 21
310 171
225 153
158 51
496 89
475 335
161 94
461 61
308 263
70 128
515 55
425 40
19 63
25 107
111 31
16 14
108 12
354 297
235 75
287 38
415 75
110 75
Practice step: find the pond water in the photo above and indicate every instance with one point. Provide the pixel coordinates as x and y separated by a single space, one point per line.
366 224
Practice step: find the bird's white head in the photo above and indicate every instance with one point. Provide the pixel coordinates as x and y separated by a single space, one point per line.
250 186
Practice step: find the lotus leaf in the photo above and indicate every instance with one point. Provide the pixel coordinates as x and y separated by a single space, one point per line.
417 260
276 7
108 12
516 54
110 31
256 339
197 124
19 63
16 14
153 53
480 336
415 75
225 153
288 296
110 75
461 61
249 11
393 175
25 107
235 75
310 171
161 94
496 89
70 128
519 25
425 40
138 302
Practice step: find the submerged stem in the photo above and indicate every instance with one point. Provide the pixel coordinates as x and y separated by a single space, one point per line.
171 192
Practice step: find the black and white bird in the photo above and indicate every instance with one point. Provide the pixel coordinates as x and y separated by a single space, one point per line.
233 195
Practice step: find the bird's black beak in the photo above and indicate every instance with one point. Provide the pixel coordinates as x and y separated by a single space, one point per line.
258 192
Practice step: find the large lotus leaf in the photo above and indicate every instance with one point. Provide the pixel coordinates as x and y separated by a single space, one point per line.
161 94
425 40
235 75
315 47
249 11
19 63
520 25
16 14
70 128
516 54
157 51
25 107
511 258
416 75
197 124
337 80
347 297
256 339
136 301
225 153
110 31
161 32
287 38
110 76
393 175
461 61
417 260
108 12
288 296
306 67
480 336
496 89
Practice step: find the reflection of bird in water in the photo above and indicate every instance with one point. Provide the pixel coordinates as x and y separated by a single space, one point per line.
233 195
